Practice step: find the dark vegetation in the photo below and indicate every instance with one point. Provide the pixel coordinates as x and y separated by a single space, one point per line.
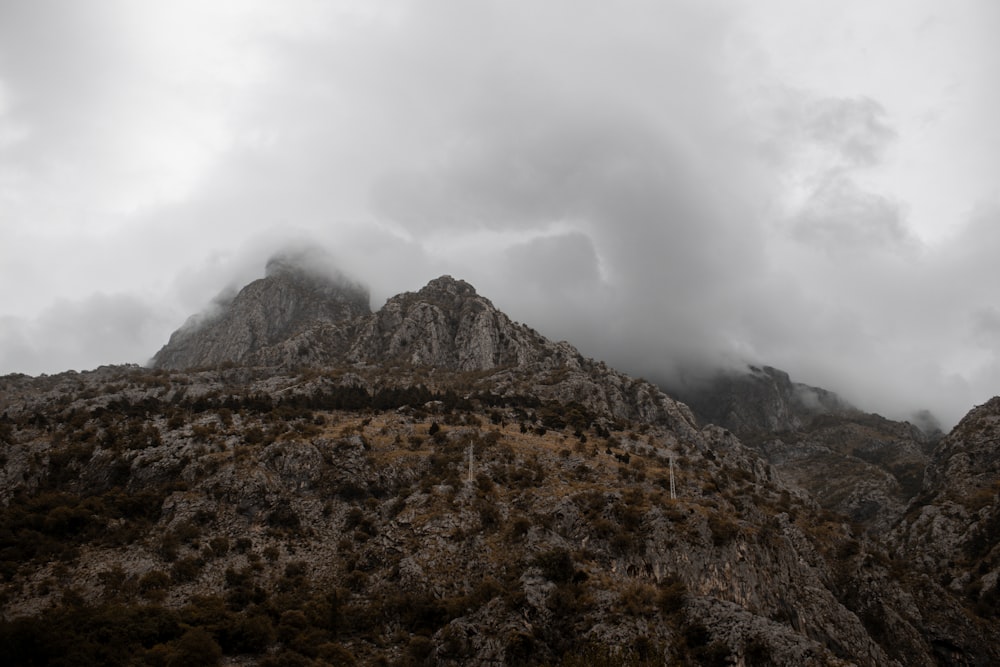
212 594
289 619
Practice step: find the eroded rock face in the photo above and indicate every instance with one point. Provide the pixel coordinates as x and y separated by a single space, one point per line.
248 477
251 328
294 318
967 461
444 325
951 530
861 465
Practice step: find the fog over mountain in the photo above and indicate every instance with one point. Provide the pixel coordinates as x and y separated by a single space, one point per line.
670 186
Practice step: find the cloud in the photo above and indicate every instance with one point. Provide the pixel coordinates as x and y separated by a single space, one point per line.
666 185
564 263
855 128
80 335
840 215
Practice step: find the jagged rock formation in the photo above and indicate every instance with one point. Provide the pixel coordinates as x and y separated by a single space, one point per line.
445 325
308 500
295 316
255 326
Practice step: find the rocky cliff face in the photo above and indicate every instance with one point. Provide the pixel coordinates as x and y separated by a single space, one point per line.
304 516
861 465
951 530
445 325
255 326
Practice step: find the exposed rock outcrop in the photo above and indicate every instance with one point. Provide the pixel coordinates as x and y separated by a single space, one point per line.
234 498
445 325
951 530
254 327
861 465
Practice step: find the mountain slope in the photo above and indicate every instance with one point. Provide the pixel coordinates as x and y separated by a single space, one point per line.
862 465
434 484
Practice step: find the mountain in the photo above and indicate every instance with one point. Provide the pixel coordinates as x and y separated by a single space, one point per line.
256 326
858 464
301 481
446 325
759 400
951 530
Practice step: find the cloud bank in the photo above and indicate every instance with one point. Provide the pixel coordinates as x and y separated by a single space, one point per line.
669 186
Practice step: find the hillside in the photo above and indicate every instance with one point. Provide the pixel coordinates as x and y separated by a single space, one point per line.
861 465
434 484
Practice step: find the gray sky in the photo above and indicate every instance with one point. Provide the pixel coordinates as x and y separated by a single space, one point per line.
812 185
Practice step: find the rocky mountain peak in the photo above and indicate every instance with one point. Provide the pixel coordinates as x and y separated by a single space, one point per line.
292 297
309 273
446 285
446 324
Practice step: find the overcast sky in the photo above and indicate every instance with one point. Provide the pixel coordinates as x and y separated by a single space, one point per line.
812 185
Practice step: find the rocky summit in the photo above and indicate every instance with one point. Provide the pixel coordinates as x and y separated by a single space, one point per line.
255 326
297 480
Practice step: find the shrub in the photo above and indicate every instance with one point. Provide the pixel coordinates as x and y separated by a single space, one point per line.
519 527
283 516
335 654
186 569
292 623
672 594
252 634
637 600
723 529
195 648
220 545
556 565
152 583
296 568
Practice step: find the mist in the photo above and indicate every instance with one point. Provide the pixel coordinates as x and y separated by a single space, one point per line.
671 187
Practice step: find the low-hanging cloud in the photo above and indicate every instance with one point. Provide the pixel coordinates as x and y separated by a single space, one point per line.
102 329
636 178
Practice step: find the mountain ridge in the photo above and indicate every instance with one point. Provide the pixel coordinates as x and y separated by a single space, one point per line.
432 483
